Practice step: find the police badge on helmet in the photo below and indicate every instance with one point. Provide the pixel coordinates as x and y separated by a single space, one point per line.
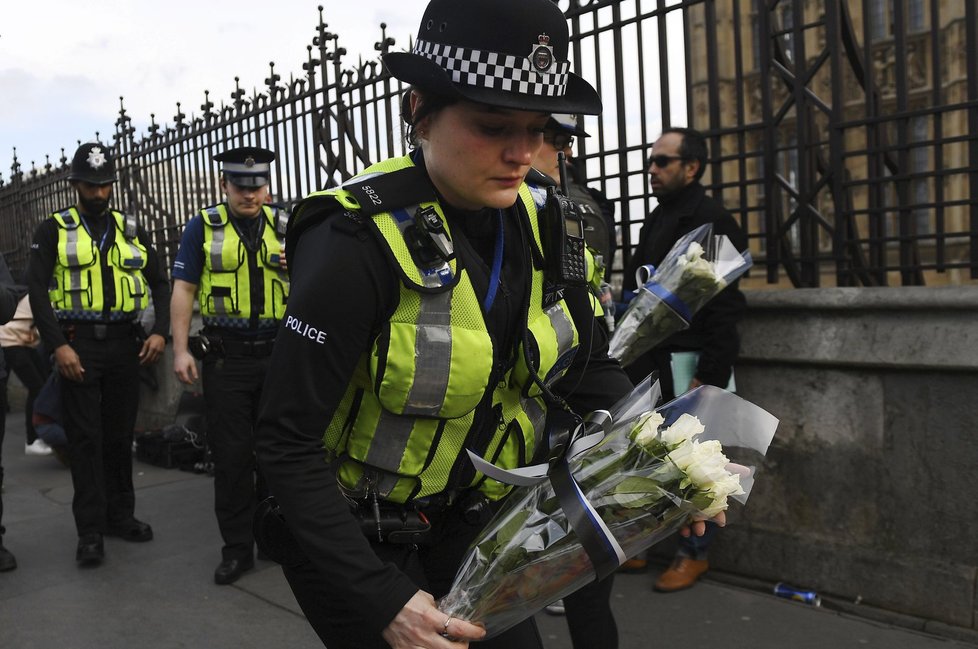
93 163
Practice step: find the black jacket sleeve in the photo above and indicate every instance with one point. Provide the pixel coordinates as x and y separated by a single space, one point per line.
8 293
40 266
159 285
342 287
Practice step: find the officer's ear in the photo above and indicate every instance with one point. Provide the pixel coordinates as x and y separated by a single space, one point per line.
224 184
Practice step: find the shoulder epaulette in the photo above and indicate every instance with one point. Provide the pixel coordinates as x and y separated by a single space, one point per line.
213 217
131 228
387 192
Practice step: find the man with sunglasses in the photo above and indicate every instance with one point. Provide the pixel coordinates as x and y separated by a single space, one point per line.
676 164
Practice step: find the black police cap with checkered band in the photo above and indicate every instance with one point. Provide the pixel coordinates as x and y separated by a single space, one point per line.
246 166
506 53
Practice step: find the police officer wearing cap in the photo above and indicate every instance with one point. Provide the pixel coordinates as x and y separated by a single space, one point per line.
598 212
92 270
593 206
426 319
231 259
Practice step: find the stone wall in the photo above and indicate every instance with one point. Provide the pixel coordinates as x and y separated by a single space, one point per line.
867 491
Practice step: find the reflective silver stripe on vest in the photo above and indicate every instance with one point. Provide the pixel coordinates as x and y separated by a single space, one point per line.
281 222
564 329
217 240
137 255
432 356
390 441
138 290
71 238
131 227
72 295
222 304
536 414
130 232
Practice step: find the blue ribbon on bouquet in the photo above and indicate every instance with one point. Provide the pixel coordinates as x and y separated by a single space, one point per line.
661 292
568 437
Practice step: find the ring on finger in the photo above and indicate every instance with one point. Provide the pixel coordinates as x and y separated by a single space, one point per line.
445 625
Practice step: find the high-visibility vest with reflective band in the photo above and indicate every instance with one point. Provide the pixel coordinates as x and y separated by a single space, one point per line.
225 285
405 419
77 292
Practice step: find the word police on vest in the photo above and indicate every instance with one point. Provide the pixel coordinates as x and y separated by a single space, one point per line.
305 330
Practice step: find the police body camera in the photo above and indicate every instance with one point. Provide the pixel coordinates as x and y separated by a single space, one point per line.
563 234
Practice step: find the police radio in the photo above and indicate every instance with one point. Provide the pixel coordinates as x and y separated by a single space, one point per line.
563 234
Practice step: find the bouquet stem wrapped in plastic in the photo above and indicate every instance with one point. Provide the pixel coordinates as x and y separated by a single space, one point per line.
640 483
698 266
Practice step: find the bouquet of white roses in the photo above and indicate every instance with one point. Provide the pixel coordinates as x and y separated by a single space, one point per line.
651 470
698 266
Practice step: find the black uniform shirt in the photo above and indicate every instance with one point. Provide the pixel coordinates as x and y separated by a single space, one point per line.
40 267
344 288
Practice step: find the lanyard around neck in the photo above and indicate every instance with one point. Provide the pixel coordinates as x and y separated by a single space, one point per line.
497 264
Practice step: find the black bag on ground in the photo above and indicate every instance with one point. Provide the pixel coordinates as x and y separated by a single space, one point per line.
172 447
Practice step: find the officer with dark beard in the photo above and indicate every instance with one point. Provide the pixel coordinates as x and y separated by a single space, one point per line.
91 272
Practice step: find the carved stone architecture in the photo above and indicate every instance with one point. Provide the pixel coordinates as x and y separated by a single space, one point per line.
824 156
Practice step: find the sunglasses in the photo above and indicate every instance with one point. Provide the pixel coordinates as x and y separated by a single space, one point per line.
663 161
559 140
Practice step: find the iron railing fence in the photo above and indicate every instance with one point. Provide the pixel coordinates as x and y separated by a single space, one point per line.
843 133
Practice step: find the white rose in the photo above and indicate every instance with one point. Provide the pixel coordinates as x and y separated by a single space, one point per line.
720 491
707 465
694 251
647 432
684 428
702 268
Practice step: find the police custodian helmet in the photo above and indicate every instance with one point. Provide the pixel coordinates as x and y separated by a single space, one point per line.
506 53
93 163
246 166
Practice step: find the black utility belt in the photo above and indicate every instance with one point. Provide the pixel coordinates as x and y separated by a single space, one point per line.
396 524
247 347
100 330
409 523
208 344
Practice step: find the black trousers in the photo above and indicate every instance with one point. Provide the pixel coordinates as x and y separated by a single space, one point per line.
589 617
32 370
99 415
432 568
232 390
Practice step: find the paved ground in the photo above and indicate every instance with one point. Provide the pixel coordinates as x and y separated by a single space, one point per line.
160 595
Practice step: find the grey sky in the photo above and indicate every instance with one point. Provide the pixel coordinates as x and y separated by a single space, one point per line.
64 64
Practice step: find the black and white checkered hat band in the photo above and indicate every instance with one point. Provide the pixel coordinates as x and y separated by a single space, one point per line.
493 70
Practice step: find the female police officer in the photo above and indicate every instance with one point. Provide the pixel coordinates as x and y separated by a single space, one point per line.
425 319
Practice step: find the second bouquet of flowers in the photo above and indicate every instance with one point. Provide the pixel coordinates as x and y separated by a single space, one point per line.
698 266
605 501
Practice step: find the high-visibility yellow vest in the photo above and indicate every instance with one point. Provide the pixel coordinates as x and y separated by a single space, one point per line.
225 292
408 414
76 291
